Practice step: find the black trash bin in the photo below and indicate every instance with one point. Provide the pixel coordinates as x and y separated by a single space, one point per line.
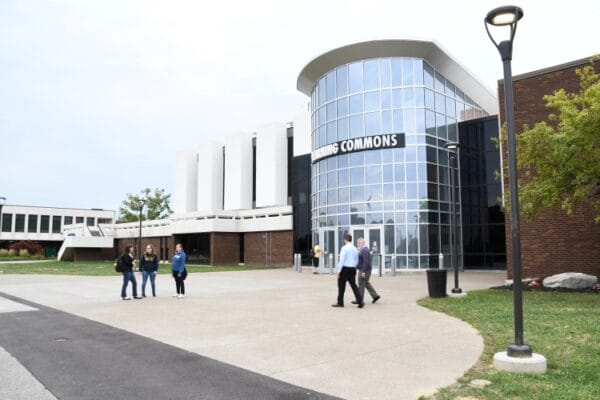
436 282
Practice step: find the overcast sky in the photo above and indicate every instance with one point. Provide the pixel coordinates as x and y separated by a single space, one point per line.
97 96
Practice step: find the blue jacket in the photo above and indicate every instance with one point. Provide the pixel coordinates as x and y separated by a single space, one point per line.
178 263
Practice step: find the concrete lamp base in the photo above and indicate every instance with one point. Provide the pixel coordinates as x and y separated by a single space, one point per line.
536 364
457 295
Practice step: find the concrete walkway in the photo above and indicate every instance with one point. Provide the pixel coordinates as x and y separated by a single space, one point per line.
280 324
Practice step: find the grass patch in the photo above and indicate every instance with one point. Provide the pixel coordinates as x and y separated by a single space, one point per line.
563 327
105 268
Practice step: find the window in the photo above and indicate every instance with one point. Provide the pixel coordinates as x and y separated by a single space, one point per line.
68 220
20 223
32 223
79 220
104 221
56 226
89 221
6 222
45 224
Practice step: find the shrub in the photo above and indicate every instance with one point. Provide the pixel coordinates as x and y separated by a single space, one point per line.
23 253
12 252
37 257
30 246
3 253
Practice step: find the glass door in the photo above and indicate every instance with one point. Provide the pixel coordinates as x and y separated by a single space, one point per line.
372 238
328 248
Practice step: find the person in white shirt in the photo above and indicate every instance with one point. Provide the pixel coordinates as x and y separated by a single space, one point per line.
346 272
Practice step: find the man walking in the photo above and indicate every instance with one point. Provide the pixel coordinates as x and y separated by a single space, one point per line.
364 268
346 272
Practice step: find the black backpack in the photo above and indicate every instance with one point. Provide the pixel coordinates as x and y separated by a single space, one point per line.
119 264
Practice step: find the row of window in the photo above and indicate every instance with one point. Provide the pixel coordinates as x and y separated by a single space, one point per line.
47 223
382 73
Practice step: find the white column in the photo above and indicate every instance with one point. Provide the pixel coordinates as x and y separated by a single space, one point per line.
186 180
238 172
302 134
271 165
210 177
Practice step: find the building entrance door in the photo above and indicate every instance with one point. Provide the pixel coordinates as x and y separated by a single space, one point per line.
373 237
328 246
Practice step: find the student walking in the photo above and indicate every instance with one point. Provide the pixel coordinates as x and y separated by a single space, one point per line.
364 268
128 275
346 272
149 268
179 271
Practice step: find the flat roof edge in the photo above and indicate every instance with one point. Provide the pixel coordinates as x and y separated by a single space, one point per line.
554 68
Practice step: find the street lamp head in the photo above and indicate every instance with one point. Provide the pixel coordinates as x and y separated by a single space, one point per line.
451 146
505 15
2 200
499 17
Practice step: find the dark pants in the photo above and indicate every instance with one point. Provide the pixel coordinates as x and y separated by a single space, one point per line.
347 275
179 285
129 276
364 283
145 276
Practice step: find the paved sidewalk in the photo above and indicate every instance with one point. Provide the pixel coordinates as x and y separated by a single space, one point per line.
279 323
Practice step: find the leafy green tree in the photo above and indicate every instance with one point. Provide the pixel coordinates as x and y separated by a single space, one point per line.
157 206
561 158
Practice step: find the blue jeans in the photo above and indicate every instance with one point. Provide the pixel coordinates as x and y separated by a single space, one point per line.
145 275
129 276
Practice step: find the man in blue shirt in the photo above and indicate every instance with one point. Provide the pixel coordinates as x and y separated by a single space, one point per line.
346 272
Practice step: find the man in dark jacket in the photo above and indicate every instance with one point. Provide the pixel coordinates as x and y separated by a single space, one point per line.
364 271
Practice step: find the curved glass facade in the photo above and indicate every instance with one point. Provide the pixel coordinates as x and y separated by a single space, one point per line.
403 194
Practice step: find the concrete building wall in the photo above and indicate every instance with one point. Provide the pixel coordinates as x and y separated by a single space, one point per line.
186 182
552 242
271 165
302 137
238 172
210 177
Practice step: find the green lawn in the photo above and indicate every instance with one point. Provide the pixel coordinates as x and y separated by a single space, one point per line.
563 327
103 268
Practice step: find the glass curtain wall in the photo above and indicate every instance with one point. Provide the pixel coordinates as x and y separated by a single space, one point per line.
405 191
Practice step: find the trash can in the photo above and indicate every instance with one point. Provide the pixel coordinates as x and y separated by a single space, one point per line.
436 282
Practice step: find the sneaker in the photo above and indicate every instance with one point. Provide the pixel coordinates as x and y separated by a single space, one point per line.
137 297
180 296
175 295
126 298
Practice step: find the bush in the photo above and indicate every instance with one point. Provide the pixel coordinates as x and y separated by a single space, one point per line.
30 246
3 253
23 253
12 253
37 257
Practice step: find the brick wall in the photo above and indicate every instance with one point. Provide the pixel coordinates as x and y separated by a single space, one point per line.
281 246
552 242
224 248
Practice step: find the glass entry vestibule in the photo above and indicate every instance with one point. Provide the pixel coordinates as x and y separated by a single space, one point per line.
332 240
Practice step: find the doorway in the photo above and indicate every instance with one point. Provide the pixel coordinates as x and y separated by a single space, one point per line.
373 238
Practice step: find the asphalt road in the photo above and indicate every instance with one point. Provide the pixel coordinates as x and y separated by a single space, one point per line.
76 358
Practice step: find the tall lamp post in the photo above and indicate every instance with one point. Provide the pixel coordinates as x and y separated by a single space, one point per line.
141 206
509 16
454 154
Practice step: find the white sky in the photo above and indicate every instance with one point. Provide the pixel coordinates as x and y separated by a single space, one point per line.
96 96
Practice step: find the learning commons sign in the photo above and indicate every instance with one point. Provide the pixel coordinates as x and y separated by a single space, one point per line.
358 144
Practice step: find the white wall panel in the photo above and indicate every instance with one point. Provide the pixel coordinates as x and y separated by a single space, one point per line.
210 177
271 165
186 181
238 172
302 137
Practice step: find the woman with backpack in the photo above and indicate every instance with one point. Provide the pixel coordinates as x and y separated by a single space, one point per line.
178 270
149 267
126 263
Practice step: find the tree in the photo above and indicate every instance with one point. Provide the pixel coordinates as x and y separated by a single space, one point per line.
157 206
561 158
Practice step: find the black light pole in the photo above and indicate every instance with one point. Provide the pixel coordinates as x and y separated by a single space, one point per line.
453 147
141 205
509 16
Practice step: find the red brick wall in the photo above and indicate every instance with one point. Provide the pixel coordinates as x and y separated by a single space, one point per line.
281 245
224 248
552 242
